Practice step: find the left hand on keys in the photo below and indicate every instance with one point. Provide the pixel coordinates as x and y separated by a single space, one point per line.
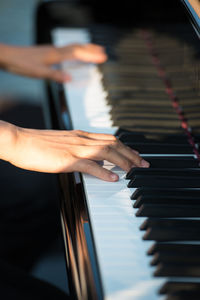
37 61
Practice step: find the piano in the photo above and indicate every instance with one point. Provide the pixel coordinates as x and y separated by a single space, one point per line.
138 238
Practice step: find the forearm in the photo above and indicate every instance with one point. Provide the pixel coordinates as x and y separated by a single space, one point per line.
8 136
5 52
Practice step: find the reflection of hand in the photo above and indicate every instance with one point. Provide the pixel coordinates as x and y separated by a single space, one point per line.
37 61
65 151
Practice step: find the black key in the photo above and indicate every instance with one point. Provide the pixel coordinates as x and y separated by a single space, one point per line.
181 248
163 172
128 119
129 124
158 148
168 257
131 137
168 210
173 287
170 163
140 113
164 181
163 200
151 129
170 223
182 270
169 192
166 232
185 295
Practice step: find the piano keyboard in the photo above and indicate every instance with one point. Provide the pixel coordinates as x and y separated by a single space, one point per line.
131 265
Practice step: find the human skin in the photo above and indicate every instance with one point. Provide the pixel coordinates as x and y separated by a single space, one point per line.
37 61
57 151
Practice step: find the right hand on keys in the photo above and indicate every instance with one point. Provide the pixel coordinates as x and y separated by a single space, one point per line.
59 151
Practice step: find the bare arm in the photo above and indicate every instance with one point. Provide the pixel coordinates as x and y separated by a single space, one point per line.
37 61
55 151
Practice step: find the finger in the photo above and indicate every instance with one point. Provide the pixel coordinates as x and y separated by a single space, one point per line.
134 151
98 136
62 140
129 153
117 158
76 133
57 75
92 168
42 71
93 53
133 156
87 53
63 137
125 159
102 153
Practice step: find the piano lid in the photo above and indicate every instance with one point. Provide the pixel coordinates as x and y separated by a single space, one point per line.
193 9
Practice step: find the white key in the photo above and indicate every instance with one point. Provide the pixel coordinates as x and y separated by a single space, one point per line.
121 252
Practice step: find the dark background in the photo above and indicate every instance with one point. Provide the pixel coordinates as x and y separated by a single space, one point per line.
21 192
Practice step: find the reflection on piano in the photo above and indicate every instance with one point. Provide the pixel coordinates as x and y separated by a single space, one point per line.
138 238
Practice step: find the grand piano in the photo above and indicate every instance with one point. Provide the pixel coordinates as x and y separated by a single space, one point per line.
138 238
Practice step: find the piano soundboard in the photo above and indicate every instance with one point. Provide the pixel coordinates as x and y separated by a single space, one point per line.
146 226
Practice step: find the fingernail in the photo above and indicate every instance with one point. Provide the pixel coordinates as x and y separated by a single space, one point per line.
114 177
144 163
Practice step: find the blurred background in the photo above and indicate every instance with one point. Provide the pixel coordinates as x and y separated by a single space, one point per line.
21 101
16 27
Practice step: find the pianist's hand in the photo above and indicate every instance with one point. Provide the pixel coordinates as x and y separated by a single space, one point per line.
65 151
37 61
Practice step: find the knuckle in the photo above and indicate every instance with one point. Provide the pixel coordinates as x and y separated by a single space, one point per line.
114 143
126 164
115 138
118 143
78 164
88 166
127 147
106 149
78 132
138 160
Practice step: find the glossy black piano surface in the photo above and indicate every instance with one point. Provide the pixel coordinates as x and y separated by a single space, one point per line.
152 83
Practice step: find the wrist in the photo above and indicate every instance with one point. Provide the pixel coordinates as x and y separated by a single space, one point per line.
8 138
